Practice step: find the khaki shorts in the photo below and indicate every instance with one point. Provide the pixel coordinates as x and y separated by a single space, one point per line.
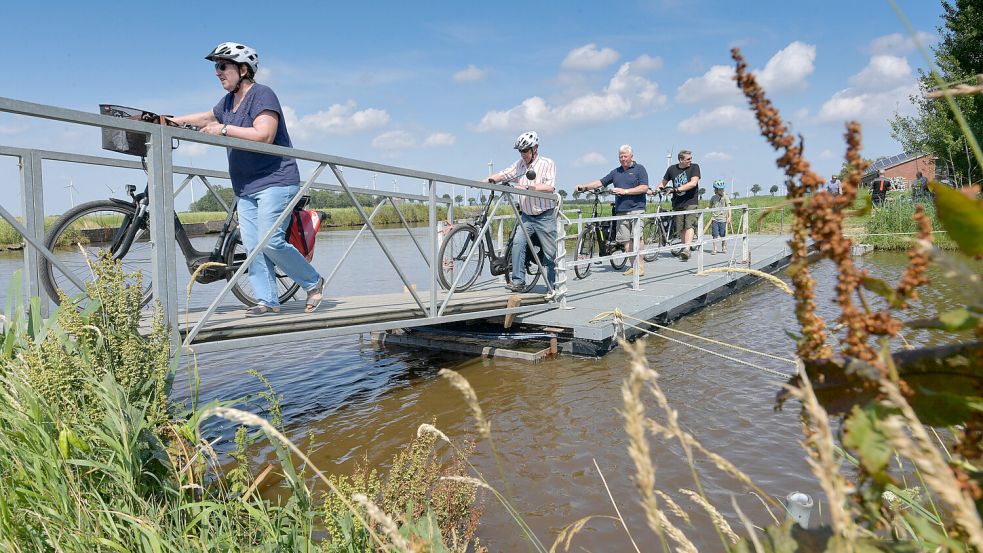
625 226
683 222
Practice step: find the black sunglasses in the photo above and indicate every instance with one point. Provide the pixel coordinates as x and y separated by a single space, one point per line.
524 150
223 65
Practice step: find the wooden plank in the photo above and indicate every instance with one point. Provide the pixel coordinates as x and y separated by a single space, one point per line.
457 347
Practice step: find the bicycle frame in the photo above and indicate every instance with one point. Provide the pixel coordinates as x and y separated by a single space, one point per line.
608 245
194 257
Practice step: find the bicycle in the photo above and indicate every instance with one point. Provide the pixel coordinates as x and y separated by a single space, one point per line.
660 231
602 236
463 237
121 227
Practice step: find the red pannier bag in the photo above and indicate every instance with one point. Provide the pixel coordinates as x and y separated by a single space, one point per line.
302 232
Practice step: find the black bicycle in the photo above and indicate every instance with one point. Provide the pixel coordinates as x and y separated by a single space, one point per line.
660 231
463 237
122 228
598 239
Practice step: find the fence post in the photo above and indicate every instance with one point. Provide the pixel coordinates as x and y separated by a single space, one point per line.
164 269
436 264
636 242
745 253
560 261
32 202
699 242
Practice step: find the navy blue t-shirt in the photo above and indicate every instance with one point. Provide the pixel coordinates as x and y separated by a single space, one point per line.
630 178
252 171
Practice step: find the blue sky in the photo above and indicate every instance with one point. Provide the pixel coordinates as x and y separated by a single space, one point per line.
446 87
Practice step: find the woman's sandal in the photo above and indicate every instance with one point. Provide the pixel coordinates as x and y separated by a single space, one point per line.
314 296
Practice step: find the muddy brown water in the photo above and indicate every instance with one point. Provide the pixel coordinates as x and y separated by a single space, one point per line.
550 421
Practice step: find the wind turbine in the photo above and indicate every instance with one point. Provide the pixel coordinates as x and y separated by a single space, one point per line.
71 190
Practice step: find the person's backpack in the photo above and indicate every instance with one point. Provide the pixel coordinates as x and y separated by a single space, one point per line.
304 224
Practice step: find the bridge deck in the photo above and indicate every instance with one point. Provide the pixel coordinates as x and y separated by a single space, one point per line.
670 288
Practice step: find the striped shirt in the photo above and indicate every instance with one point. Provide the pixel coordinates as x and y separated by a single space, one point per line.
545 175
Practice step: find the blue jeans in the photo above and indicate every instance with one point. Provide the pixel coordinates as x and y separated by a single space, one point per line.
718 229
543 226
257 213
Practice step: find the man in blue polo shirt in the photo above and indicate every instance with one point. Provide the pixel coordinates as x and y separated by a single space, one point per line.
631 184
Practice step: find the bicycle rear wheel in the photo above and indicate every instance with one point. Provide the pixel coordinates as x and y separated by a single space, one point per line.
653 235
235 254
586 246
86 231
453 257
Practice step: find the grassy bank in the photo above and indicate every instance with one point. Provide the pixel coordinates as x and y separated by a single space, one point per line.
94 456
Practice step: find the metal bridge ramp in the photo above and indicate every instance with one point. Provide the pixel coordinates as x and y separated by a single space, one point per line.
342 315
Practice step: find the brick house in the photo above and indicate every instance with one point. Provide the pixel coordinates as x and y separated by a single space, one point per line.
901 169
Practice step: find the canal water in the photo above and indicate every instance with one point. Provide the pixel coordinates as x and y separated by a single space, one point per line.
550 421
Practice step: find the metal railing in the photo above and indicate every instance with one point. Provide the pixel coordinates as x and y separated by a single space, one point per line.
161 171
639 249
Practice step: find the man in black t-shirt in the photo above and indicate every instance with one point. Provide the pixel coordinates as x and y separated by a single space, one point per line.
879 188
684 178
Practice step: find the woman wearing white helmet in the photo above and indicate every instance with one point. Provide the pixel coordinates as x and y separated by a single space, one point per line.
263 184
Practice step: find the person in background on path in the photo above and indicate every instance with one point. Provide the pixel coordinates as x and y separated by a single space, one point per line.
721 219
263 184
919 189
538 215
833 186
631 184
879 188
685 178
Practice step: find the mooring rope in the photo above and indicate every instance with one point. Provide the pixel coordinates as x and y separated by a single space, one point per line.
621 316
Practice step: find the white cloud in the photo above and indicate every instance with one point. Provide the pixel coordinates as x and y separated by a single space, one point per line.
897 43
723 116
338 119
879 90
192 149
394 140
590 158
646 62
716 84
719 156
870 106
627 94
470 73
788 69
882 72
589 58
440 139
827 154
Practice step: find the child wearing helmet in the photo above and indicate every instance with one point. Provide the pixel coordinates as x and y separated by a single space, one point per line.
721 219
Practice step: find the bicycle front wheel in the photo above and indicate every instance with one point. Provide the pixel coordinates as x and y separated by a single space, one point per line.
453 258
235 254
653 236
586 246
88 230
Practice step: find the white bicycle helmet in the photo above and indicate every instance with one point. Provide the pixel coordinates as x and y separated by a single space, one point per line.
235 52
527 139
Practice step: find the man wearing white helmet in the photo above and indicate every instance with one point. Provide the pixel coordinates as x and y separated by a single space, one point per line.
263 184
538 214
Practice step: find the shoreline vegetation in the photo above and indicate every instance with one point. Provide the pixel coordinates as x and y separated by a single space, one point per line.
887 228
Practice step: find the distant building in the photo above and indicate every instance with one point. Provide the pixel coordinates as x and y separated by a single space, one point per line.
901 169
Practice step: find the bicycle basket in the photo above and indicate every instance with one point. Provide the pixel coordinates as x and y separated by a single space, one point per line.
119 140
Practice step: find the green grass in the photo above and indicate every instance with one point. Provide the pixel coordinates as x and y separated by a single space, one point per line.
95 457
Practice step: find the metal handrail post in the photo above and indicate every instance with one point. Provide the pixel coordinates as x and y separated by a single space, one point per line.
699 241
406 226
436 264
561 260
636 240
745 253
474 247
375 233
344 256
161 186
252 256
32 202
500 236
